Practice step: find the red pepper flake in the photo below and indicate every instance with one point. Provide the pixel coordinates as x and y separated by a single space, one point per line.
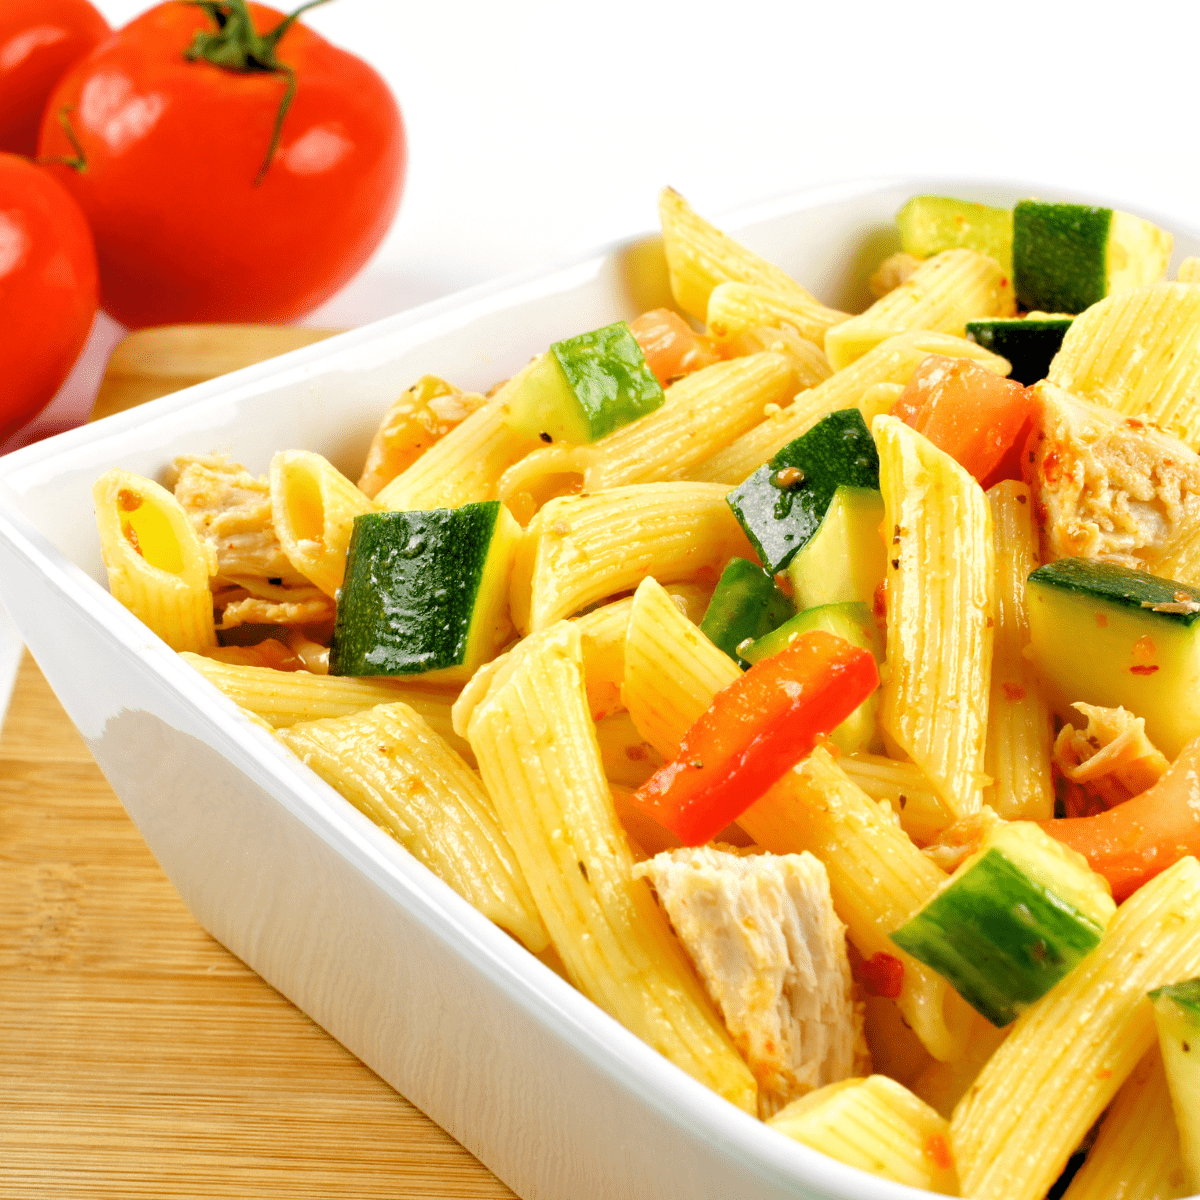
783 581
1013 691
937 1150
132 538
128 501
883 975
1102 620
1103 1074
636 753
1143 670
879 601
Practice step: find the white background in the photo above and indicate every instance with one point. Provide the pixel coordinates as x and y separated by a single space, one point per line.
538 130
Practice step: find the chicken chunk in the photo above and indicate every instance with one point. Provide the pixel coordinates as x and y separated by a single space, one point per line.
1108 486
1109 762
765 940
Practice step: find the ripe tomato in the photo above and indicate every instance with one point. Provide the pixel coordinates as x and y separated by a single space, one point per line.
48 289
197 214
39 40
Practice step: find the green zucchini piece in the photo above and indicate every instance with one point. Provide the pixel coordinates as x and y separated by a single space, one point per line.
930 224
783 503
746 604
425 592
1029 343
846 558
1067 257
585 387
1014 918
1177 1016
1107 635
854 622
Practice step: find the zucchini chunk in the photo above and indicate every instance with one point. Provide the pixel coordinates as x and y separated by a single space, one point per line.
1177 1015
746 604
585 387
425 591
930 224
1104 634
1066 257
1011 921
846 558
1028 342
783 503
855 623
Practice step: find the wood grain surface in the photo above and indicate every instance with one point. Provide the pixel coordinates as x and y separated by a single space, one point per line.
138 1058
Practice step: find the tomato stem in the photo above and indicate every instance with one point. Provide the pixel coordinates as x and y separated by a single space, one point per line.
79 162
238 46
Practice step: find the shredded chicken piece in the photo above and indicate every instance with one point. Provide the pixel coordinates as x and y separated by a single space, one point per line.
959 840
1110 761
1108 486
765 940
255 602
267 653
892 272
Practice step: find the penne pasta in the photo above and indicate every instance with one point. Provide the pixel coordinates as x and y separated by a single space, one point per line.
538 755
922 812
735 309
940 612
1189 271
157 566
629 760
392 767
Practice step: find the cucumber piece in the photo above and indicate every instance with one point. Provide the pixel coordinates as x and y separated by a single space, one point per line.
853 622
783 503
746 604
1029 342
425 591
1066 257
1106 635
846 558
1014 918
585 387
930 224
1177 1016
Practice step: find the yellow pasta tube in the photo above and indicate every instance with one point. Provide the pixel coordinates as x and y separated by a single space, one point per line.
629 760
538 755
940 606
313 506
466 464
1189 271
581 549
877 1125
892 361
923 813
877 878
736 308
1020 727
1069 1053
1138 352
672 671
394 769
942 294
807 358
157 565
1136 1154
700 256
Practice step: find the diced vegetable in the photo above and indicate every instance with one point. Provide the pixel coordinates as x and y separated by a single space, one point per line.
1177 1015
757 728
930 224
671 348
966 411
852 622
1135 841
783 503
1107 635
1066 257
746 604
1028 342
585 387
846 558
425 591
1012 921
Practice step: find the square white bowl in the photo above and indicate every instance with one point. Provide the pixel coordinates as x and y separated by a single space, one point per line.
559 1100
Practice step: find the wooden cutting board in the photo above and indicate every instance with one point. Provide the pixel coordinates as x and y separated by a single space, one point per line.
138 1058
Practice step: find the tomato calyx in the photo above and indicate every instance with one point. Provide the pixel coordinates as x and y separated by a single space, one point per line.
238 46
79 162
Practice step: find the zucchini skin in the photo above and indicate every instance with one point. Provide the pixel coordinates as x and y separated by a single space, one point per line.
1029 343
1060 255
1111 584
746 604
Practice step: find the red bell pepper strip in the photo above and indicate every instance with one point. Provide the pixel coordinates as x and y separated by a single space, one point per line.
1133 842
755 730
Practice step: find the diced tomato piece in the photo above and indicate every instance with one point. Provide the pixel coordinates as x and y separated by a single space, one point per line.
882 975
754 731
671 348
964 409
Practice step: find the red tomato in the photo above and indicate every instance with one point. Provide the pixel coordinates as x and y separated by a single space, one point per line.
672 350
964 409
196 217
755 730
39 40
48 289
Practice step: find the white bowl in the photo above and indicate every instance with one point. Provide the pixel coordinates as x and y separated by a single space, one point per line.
559 1100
